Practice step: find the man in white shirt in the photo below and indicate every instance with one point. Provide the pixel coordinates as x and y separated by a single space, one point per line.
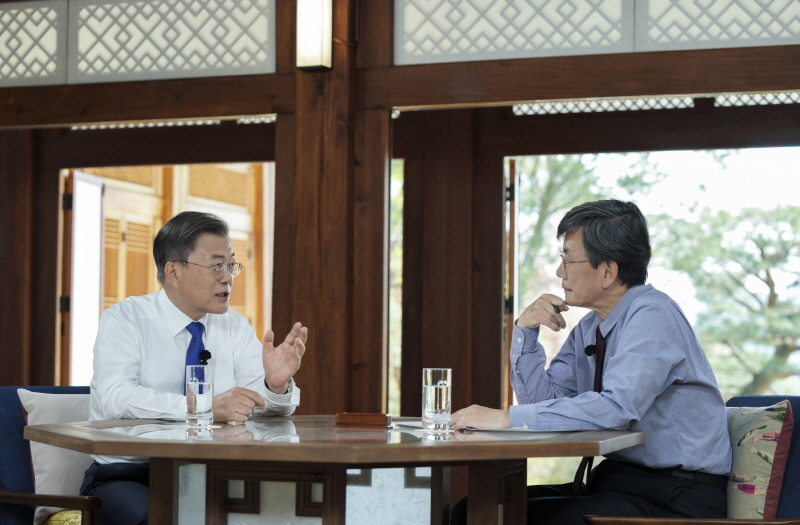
140 356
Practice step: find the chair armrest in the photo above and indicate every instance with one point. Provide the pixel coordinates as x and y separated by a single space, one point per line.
611 520
48 500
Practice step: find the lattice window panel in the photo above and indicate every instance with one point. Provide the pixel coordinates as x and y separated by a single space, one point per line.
757 99
113 242
601 105
460 30
697 24
139 242
33 39
136 174
214 182
154 39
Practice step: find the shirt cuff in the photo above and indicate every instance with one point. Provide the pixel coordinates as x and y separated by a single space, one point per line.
523 340
290 398
522 416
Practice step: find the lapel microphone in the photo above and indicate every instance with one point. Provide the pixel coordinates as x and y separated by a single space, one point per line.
205 355
589 350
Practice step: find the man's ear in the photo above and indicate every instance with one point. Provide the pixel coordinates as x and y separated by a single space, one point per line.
171 272
610 273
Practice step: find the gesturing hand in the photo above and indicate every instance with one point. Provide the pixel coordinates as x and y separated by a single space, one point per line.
282 361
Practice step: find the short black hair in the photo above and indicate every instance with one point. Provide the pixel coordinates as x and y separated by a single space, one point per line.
178 237
613 230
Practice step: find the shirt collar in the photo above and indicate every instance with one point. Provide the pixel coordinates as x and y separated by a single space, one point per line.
173 317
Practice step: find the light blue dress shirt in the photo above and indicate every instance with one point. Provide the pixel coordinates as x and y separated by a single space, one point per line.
656 378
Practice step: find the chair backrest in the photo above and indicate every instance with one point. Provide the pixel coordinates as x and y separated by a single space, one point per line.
16 472
789 506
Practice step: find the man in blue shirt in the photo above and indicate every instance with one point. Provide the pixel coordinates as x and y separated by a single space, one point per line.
654 377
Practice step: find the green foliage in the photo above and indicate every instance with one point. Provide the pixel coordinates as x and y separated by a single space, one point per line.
549 187
746 270
395 284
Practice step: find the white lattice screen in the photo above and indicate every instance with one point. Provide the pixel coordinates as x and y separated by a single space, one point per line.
32 45
81 41
697 24
456 30
429 31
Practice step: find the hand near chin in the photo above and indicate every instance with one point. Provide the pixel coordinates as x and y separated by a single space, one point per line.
546 310
282 361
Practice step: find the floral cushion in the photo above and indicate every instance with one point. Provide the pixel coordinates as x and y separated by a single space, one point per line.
760 439
65 517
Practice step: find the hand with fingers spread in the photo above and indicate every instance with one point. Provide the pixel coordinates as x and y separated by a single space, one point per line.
237 404
282 361
546 310
476 416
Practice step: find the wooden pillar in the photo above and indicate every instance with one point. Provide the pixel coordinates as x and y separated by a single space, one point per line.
46 246
16 255
330 235
452 258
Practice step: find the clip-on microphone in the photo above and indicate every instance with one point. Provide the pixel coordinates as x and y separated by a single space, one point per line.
590 350
205 355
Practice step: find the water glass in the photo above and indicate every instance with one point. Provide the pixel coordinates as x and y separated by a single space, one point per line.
436 398
200 395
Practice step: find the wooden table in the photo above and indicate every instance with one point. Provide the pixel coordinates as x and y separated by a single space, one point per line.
321 453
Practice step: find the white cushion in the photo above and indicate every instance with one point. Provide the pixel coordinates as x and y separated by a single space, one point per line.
56 470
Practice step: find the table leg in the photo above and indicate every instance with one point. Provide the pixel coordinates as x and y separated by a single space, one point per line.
440 495
163 490
492 483
334 500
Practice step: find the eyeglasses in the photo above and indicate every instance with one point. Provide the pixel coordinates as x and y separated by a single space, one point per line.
220 269
566 262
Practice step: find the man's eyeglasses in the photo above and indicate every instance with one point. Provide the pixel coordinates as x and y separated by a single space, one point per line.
565 262
220 269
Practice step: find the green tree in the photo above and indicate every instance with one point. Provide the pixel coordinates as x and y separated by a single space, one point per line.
746 271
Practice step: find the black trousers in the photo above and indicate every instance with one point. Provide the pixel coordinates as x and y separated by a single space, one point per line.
124 489
618 489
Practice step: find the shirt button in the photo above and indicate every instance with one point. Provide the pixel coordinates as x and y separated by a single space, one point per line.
519 339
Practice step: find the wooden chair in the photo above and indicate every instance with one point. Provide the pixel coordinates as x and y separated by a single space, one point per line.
789 506
17 497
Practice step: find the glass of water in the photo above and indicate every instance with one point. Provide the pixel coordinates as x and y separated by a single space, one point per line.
200 395
436 398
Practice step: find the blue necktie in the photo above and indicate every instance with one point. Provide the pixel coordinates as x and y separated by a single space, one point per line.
196 344
195 347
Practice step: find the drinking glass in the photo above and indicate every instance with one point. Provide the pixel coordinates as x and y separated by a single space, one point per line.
200 395
436 397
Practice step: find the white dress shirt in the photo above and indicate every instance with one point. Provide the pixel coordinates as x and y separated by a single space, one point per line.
140 359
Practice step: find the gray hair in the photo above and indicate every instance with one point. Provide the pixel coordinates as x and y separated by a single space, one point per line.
178 237
613 230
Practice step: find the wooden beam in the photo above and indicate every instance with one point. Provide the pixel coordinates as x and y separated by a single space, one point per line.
227 142
215 97
501 82
651 130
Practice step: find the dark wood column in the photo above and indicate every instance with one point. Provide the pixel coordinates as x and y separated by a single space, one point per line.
453 257
332 168
16 255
